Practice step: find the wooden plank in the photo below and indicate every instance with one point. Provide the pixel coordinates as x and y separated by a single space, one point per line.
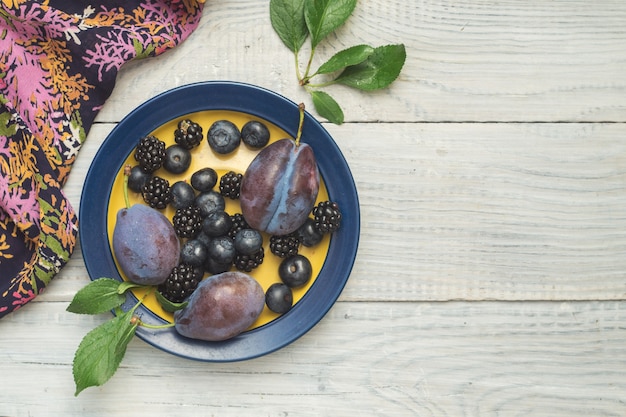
490 61
375 359
471 211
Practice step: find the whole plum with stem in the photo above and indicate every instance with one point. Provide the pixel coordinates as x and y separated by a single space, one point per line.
280 186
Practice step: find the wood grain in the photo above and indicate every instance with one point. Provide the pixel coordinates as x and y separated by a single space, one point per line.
466 61
490 278
373 359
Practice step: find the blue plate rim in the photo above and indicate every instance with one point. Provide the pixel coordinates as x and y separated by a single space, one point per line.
277 109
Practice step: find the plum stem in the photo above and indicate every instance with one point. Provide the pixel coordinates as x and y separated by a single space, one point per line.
300 123
155 326
126 175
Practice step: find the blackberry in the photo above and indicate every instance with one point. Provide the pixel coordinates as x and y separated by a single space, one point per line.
230 185
327 216
187 221
189 134
238 223
182 281
247 263
150 153
286 245
156 192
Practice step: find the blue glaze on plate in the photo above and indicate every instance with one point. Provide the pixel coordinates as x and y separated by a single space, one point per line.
275 109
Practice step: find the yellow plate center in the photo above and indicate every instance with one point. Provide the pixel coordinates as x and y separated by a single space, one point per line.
202 156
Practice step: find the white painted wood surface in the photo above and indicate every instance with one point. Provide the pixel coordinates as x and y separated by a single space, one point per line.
491 276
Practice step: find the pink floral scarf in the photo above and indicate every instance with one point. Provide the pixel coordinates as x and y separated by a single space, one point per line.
58 64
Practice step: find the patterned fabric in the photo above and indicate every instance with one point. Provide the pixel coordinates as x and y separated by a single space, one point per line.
58 64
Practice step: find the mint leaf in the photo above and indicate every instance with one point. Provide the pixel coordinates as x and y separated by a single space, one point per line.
97 297
327 107
127 285
324 16
351 56
379 70
287 18
101 351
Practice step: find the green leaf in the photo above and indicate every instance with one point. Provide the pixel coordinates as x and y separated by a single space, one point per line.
351 56
327 107
97 297
379 70
101 351
168 305
127 285
287 17
324 16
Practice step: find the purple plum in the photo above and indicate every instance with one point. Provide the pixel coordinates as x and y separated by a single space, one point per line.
145 244
279 187
221 307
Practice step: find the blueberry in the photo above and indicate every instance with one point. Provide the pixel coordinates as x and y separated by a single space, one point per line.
222 250
182 194
137 179
223 137
177 159
295 270
248 241
193 252
209 202
217 223
279 298
204 238
198 272
255 134
214 268
204 179
309 234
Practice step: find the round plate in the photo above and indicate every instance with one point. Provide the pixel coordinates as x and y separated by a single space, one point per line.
261 103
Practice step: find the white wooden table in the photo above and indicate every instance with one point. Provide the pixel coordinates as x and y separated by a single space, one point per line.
491 273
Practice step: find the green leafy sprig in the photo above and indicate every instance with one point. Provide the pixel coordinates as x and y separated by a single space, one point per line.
362 66
101 351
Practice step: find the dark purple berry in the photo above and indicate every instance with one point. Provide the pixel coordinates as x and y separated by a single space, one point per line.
222 250
295 270
279 298
210 201
247 263
216 224
248 241
255 134
327 216
156 192
150 153
183 195
177 159
224 137
137 179
308 233
204 179
188 134
193 252
230 185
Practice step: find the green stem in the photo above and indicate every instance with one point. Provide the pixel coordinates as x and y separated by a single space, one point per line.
156 326
297 62
126 175
306 77
300 123
322 85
